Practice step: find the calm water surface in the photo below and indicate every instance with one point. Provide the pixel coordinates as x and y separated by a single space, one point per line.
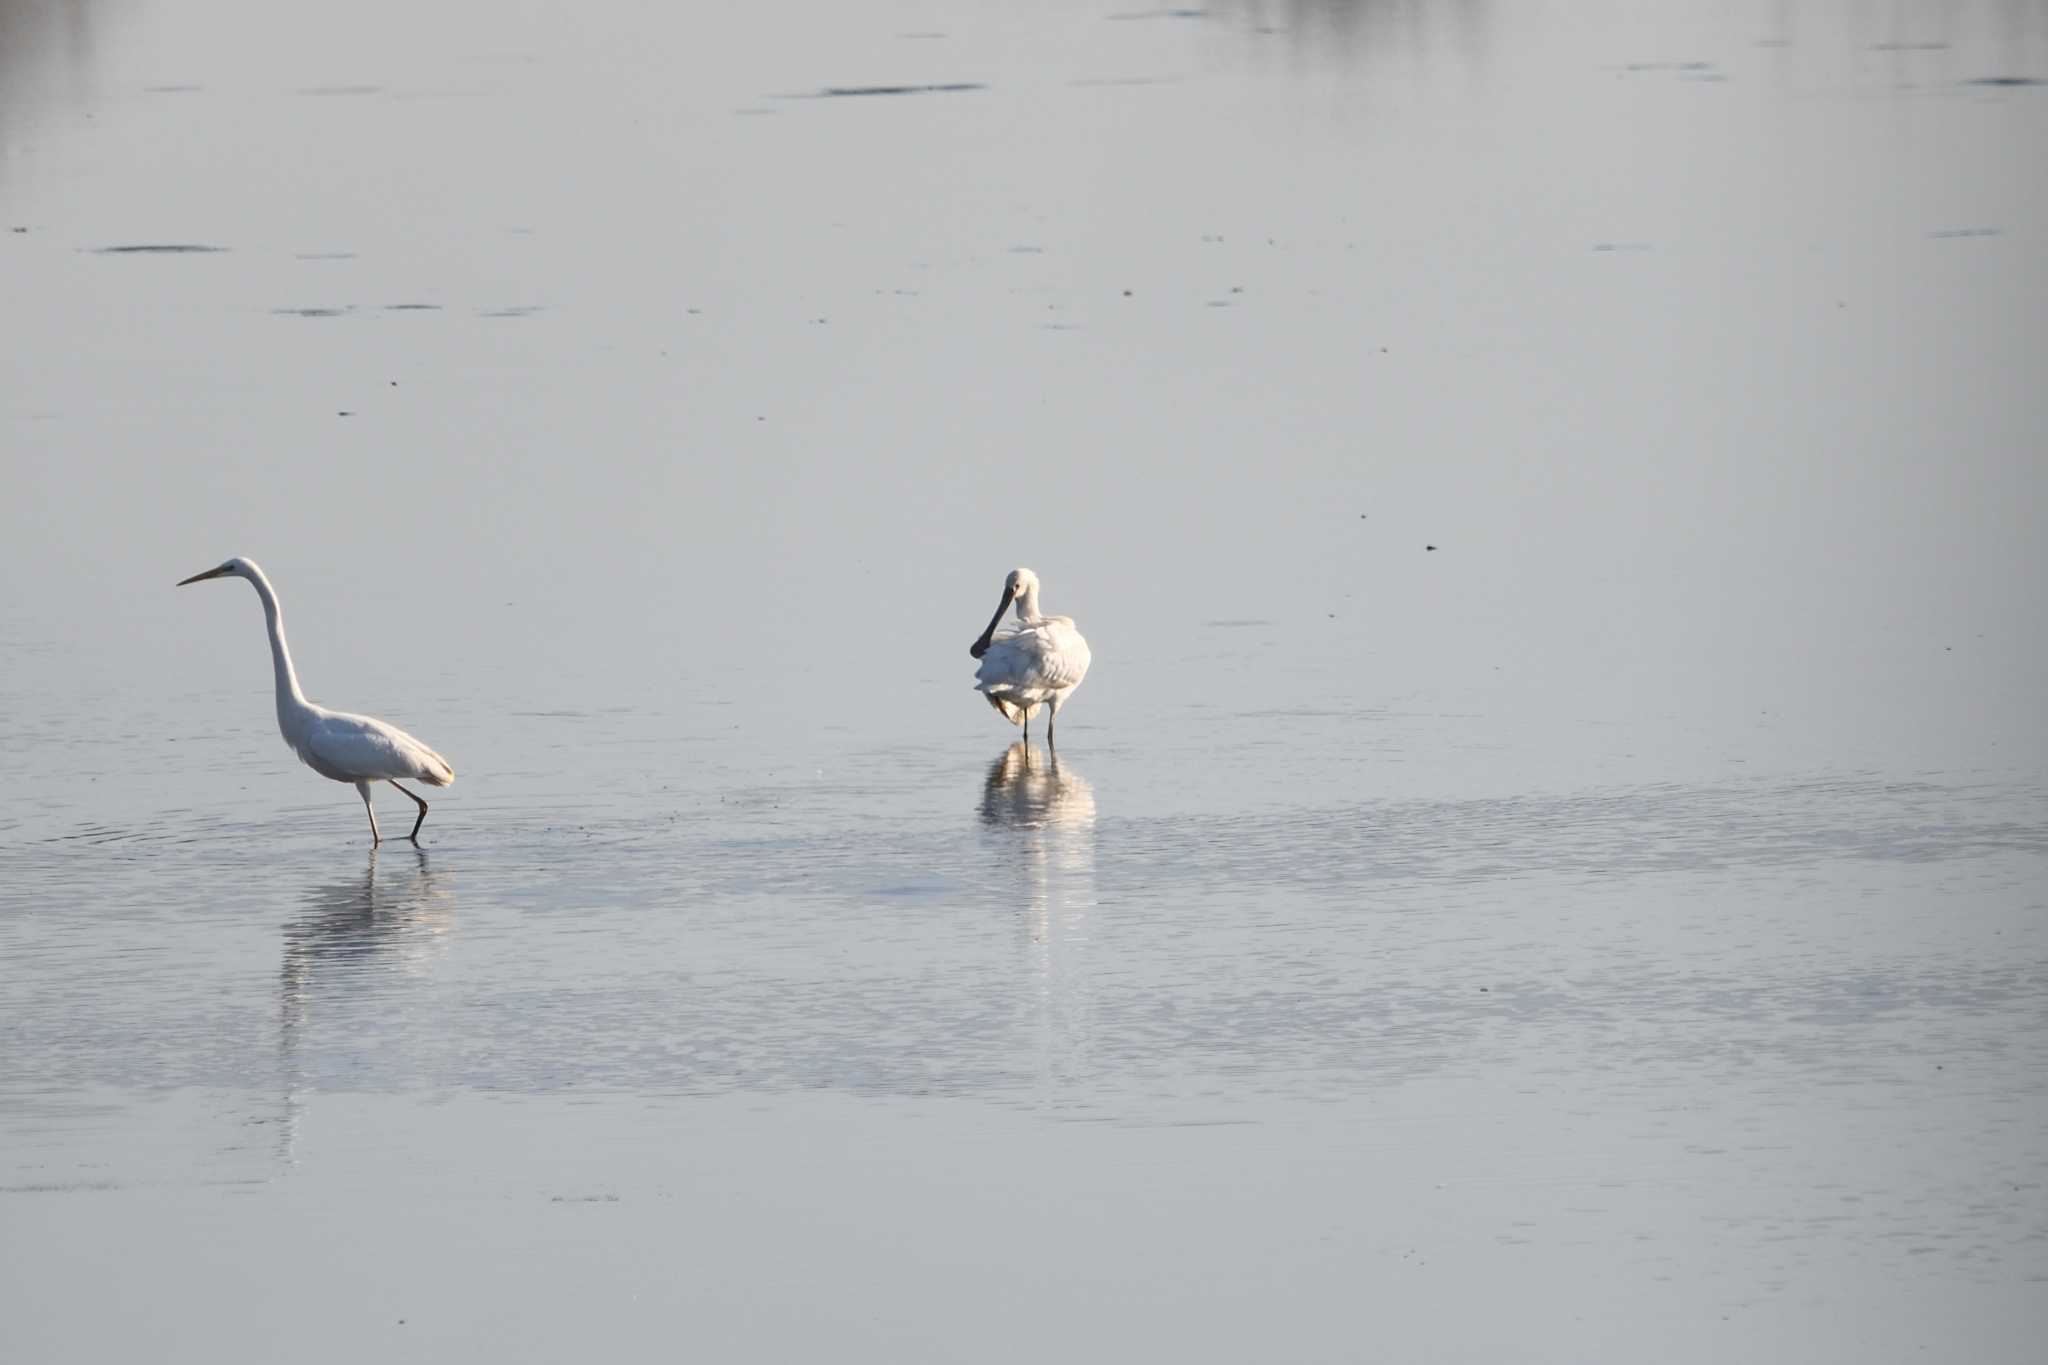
1619 932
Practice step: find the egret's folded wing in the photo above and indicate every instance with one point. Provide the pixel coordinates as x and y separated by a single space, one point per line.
362 747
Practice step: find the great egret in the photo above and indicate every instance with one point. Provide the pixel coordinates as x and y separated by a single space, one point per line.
336 744
1040 663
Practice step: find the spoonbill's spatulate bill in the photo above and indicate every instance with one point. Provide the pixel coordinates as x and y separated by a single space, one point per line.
1039 664
336 744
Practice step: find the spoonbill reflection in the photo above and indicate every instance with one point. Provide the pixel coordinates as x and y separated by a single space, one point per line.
1039 664
1020 794
336 744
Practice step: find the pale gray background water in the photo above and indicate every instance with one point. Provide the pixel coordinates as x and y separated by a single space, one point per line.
1617 934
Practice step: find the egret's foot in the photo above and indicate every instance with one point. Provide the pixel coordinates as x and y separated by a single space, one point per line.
416 799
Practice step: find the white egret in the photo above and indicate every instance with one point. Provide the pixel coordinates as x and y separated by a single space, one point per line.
1039 664
336 744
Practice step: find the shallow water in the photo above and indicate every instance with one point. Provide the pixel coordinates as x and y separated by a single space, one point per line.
1616 932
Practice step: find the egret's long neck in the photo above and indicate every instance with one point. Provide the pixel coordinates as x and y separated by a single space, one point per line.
1027 605
291 702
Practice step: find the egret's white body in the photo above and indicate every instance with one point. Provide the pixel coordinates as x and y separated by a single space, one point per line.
1037 665
347 748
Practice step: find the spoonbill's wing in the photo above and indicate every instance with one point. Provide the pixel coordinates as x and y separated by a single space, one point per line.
362 748
1033 659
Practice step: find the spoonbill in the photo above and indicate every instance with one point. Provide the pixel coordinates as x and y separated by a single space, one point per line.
1039 664
336 744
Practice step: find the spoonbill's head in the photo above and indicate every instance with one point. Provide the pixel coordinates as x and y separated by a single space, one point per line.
237 567
1016 583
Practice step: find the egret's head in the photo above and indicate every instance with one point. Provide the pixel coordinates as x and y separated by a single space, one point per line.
237 567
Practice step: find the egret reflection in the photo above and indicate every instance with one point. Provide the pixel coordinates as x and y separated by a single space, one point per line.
344 946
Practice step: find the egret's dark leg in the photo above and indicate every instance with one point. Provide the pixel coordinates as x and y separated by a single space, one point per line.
1052 713
363 788
415 835
1027 727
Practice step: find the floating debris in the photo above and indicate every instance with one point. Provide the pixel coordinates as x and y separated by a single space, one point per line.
158 249
843 92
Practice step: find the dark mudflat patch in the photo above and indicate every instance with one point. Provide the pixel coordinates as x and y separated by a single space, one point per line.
517 310
158 249
412 307
1135 15
847 92
311 312
172 89
1621 246
2006 82
1944 234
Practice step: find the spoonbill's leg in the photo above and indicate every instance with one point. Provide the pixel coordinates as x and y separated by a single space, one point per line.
415 835
363 788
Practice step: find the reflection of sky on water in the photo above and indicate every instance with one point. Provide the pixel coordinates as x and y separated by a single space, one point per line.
47 59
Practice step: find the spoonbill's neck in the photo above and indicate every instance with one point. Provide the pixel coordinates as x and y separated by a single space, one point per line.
292 707
1027 605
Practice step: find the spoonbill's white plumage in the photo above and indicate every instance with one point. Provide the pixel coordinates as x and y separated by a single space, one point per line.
1039 664
347 748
